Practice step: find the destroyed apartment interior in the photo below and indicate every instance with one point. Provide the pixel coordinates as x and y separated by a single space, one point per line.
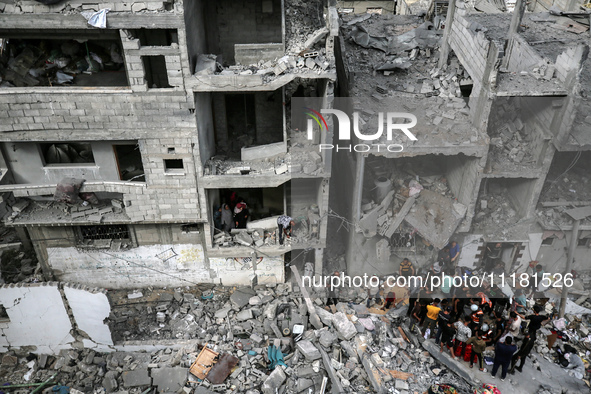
187 185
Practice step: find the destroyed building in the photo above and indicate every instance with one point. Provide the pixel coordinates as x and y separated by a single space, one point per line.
147 124
125 126
501 138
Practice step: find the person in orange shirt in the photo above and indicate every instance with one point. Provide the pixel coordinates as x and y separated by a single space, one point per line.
432 315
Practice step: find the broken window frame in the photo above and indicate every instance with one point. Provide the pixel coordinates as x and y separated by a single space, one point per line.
42 146
105 35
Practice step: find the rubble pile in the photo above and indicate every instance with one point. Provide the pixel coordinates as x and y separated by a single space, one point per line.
409 59
495 209
264 232
18 265
266 339
510 137
305 50
54 62
398 202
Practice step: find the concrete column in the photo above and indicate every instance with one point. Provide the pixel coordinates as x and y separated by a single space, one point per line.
355 208
444 50
517 18
569 262
23 236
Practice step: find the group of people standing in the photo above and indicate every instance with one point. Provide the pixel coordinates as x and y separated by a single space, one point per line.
233 214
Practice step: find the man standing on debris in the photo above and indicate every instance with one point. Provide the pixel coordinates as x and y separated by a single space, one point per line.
514 324
454 252
285 224
536 321
503 355
526 346
406 268
447 338
478 346
463 332
432 315
444 258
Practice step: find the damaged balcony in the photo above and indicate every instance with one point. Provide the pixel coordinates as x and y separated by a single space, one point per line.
30 59
91 208
97 174
520 136
253 44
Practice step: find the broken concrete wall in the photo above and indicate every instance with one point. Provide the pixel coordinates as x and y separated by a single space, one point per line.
164 196
568 63
522 56
242 22
159 265
90 308
37 316
463 176
470 46
234 271
521 195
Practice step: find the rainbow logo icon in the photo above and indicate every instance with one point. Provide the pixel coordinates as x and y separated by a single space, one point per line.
317 117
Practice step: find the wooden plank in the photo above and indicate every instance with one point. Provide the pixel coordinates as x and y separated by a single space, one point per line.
403 334
399 374
77 21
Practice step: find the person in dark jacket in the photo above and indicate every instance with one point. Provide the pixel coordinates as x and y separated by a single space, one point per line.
503 355
527 345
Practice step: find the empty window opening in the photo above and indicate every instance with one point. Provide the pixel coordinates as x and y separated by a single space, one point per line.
156 37
173 165
67 153
3 315
583 241
129 162
155 72
171 151
548 241
44 61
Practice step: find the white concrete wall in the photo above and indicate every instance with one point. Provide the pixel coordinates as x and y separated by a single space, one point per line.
90 309
153 265
37 318
239 270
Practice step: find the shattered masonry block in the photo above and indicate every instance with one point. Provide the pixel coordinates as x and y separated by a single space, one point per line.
274 381
344 326
308 349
